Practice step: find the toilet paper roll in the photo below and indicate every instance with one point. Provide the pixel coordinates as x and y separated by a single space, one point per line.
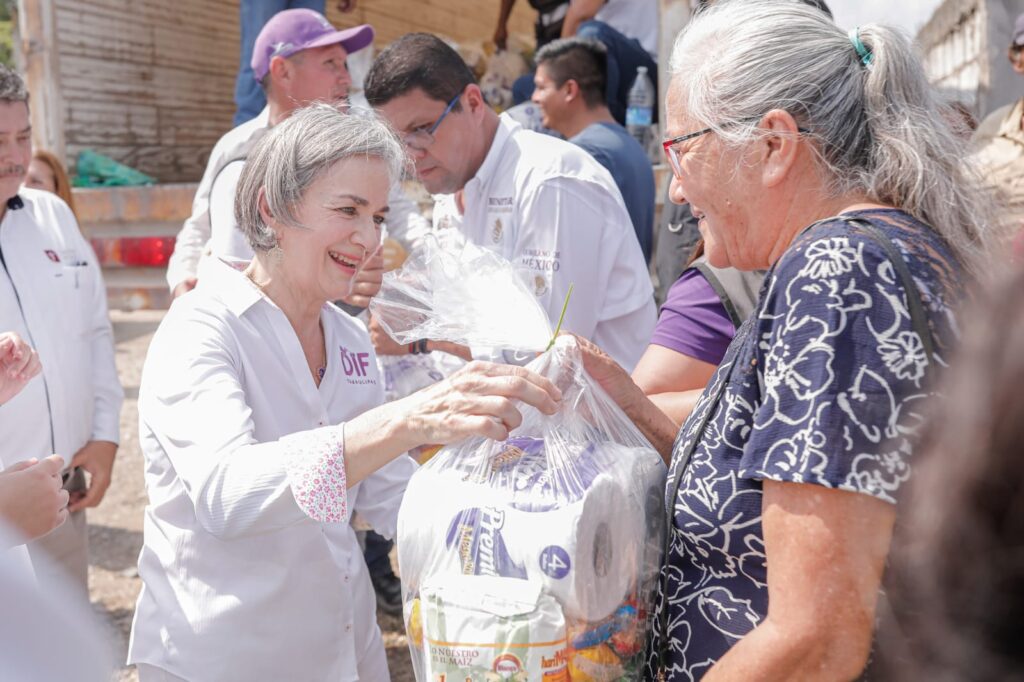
587 554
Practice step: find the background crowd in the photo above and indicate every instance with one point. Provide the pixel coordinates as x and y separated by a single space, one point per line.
817 337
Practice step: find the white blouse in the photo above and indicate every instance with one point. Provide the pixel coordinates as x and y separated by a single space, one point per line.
250 568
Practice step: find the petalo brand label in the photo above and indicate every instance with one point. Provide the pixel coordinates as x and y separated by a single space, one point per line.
476 534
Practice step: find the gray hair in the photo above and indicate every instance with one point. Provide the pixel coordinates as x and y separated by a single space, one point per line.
878 130
12 86
294 153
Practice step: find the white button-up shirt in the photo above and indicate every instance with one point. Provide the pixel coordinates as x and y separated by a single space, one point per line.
212 227
243 579
555 213
52 294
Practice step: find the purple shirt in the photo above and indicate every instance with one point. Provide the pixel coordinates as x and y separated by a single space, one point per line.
693 320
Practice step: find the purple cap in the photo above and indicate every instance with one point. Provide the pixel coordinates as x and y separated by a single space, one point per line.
1018 31
294 30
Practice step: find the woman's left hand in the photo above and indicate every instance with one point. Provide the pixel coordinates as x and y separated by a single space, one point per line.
367 282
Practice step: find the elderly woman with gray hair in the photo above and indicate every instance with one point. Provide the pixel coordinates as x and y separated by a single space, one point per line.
824 158
262 427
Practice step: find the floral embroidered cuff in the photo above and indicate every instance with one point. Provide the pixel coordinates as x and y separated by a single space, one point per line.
316 471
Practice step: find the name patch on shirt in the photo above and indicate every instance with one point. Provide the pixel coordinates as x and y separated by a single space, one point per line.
541 261
356 366
500 204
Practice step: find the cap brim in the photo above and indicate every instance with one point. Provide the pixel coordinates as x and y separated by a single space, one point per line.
352 39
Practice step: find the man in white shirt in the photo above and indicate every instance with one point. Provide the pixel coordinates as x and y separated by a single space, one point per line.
541 203
52 295
298 58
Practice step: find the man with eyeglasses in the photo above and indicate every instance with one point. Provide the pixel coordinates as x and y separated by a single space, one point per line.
299 58
543 204
999 142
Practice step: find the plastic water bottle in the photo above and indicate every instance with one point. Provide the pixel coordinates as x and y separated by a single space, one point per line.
640 108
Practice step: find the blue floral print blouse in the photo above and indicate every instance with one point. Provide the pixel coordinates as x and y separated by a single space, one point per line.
823 385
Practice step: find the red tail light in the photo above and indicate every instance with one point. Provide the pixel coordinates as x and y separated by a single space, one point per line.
148 252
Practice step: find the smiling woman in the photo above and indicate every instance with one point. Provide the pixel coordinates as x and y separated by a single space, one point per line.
262 426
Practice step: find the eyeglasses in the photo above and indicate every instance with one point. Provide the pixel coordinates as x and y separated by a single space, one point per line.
423 137
673 154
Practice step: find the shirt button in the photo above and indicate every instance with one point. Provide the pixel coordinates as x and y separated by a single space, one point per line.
348 628
346 578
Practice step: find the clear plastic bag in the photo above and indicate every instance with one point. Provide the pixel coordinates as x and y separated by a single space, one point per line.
534 558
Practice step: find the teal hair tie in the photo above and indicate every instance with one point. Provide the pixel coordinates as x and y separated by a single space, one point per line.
862 51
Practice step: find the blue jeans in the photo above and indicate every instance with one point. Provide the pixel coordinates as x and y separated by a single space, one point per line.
624 56
253 16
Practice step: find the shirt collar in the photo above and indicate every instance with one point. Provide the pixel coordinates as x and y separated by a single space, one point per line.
507 127
1011 125
225 279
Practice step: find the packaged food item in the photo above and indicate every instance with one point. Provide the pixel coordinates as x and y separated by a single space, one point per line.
491 629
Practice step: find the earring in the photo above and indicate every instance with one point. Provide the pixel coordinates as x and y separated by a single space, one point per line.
276 254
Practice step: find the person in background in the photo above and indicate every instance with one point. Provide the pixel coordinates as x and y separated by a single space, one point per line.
696 324
253 15
955 583
570 84
548 26
629 31
52 294
999 142
310 69
783 481
543 204
46 172
262 428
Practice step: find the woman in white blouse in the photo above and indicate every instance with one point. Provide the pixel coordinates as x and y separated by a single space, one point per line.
262 427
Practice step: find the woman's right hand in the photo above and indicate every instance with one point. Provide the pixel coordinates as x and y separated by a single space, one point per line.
19 363
478 400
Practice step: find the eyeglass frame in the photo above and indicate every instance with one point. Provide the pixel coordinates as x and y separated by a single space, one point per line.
669 145
430 133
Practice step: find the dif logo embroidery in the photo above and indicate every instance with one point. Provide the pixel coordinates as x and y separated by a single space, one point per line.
356 366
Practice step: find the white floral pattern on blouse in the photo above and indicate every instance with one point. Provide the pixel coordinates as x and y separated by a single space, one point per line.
316 471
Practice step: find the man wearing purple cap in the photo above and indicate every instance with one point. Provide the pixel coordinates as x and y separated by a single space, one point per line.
253 15
999 142
299 58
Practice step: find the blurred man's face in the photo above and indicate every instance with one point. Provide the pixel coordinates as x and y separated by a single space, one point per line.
15 147
319 74
1017 59
550 98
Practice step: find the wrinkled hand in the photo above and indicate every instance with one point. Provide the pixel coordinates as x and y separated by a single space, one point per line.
384 344
345 6
184 287
18 364
97 458
31 498
478 400
367 282
609 374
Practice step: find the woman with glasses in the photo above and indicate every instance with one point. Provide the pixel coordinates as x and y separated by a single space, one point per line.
262 428
822 157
